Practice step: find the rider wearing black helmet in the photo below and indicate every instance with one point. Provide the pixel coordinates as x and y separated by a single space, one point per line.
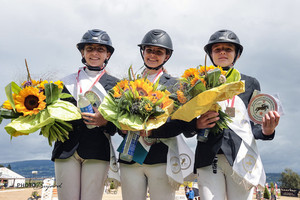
97 37
157 38
156 48
222 167
82 161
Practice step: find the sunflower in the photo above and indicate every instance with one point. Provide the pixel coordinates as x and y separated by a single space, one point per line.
202 69
60 84
142 86
195 80
190 73
122 85
30 101
42 84
155 96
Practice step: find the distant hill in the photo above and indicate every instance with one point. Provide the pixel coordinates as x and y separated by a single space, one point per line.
45 168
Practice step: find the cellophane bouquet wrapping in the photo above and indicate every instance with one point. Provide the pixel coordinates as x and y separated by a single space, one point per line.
136 104
200 90
36 105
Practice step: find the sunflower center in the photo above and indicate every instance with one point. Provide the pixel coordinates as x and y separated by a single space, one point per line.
31 102
142 92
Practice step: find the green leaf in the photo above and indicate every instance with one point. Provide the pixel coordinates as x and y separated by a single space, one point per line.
129 73
29 124
158 111
160 101
65 95
51 93
64 111
9 114
212 78
197 88
156 84
9 90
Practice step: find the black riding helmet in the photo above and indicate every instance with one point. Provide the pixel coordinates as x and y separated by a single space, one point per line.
95 36
159 38
224 36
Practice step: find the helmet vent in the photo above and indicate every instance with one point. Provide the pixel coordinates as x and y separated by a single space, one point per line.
155 32
213 37
232 36
105 37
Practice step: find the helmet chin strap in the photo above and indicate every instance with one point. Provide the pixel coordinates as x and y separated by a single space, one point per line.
155 68
93 68
151 68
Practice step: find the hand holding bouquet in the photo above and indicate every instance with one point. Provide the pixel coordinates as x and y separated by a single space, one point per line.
200 90
36 105
137 104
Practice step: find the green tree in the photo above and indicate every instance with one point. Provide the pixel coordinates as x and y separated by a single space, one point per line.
290 179
266 193
8 166
1 165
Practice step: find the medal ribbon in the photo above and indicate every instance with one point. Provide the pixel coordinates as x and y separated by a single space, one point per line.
157 75
232 101
97 79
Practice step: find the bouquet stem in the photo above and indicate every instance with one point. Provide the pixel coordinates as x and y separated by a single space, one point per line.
202 136
129 147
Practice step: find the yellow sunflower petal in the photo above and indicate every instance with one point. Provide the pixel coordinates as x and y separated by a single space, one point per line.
30 101
7 105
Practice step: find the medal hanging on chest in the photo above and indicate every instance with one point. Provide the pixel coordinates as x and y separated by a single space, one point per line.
230 110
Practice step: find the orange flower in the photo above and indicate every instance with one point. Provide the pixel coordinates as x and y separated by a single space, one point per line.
155 96
180 95
190 73
122 85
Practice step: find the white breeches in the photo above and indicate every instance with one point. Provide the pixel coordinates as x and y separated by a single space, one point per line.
220 186
136 178
80 179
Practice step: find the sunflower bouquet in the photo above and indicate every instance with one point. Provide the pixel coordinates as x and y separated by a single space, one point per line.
201 88
36 105
136 104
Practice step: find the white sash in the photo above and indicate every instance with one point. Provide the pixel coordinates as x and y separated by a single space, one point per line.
247 167
180 161
85 83
180 158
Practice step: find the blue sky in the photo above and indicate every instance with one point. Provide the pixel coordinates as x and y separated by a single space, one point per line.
46 32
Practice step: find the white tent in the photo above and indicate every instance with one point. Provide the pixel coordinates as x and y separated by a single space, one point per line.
13 179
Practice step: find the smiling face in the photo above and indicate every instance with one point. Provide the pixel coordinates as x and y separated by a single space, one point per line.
95 54
223 54
155 56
